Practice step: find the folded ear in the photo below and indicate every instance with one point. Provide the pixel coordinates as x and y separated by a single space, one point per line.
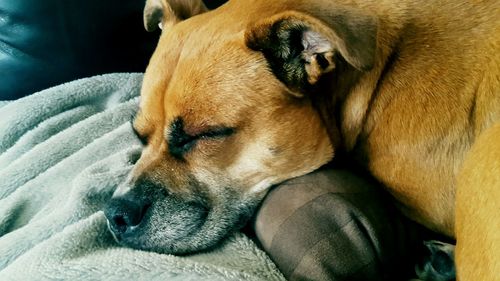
300 48
163 13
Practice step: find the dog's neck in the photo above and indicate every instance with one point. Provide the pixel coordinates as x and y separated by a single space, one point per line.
344 96
344 99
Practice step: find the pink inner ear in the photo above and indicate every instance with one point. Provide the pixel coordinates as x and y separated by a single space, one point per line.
314 42
316 46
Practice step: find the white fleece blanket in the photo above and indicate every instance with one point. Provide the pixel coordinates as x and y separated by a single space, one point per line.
62 153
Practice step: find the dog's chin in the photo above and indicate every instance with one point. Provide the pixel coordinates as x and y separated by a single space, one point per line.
174 227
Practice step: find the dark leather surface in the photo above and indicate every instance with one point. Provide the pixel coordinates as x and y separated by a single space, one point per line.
44 43
212 4
47 42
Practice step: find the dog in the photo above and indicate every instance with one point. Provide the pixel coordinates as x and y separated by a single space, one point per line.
243 97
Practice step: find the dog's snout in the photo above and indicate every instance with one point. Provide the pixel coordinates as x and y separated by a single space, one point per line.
124 214
129 205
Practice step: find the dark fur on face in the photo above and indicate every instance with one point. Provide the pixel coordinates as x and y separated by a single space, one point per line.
282 48
177 224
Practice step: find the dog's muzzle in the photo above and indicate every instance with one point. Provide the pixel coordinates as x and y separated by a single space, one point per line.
147 217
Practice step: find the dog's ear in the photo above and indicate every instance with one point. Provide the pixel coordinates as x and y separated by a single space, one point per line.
164 13
300 48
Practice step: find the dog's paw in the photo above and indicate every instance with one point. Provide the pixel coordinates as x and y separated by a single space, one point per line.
438 263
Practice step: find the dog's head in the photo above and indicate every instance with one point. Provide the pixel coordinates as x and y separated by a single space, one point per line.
224 115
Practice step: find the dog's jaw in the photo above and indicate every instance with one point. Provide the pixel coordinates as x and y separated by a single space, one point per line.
180 228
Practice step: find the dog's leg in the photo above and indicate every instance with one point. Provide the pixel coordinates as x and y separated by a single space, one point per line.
478 210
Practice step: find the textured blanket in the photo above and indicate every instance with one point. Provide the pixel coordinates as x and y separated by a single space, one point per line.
62 153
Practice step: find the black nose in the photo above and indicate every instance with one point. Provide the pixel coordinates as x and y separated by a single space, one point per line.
124 213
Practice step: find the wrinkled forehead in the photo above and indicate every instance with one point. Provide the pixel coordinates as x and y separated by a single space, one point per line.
215 84
206 76
215 70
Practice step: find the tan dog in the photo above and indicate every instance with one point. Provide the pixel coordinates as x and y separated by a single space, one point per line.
477 209
256 92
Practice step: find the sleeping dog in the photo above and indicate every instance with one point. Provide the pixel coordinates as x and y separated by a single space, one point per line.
243 97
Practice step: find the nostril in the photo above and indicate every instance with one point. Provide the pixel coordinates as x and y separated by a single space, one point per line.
119 224
124 214
119 221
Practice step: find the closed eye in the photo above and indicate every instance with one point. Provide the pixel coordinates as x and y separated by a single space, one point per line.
179 142
217 132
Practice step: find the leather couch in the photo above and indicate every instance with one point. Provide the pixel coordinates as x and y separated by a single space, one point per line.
45 43
48 42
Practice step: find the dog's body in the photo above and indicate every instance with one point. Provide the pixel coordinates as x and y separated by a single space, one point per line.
257 92
477 207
